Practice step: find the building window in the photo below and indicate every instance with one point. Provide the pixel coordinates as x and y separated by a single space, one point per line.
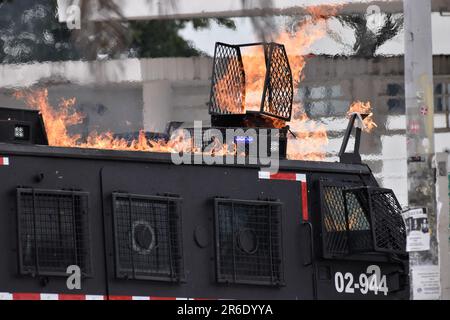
324 101
441 97
396 98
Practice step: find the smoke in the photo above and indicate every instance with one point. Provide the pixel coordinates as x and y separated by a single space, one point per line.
264 25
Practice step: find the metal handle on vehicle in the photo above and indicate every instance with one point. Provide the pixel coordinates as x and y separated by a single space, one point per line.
311 246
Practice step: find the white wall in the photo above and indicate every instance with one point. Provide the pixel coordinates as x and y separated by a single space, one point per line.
145 9
155 91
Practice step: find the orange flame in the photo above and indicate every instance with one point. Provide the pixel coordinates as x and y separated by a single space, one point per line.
364 109
310 137
58 120
225 101
56 123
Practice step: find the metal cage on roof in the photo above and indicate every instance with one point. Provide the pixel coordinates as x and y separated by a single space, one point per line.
228 81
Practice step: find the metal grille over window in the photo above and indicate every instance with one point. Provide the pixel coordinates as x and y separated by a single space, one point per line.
359 230
148 237
229 80
278 93
334 223
228 89
382 209
53 232
249 242
361 219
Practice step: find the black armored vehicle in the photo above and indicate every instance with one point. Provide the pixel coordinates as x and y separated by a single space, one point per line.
137 226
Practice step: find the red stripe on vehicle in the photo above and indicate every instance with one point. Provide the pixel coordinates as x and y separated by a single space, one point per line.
305 212
26 296
117 298
71 297
284 176
80 297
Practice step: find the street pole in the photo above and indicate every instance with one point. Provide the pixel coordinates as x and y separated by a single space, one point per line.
420 126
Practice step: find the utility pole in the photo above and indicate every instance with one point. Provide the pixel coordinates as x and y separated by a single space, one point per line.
420 128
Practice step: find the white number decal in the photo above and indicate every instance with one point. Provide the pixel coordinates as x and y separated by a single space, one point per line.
382 286
364 283
339 282
349 288
371 281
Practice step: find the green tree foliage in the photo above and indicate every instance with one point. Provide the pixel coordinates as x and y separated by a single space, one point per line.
161 38
30 31
368 40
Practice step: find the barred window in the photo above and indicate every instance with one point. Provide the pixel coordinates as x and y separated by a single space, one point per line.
359 219
249 242
148 237
53 232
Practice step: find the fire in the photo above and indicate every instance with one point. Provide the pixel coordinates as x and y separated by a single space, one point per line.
255 74
307 32
309 138
363 109
56 123
58 120
224 100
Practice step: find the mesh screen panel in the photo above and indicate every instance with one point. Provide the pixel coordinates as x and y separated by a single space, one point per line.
334 223
279 92
388 231
229 80
249 242
148 237
359 229
53 231
361 219
388 225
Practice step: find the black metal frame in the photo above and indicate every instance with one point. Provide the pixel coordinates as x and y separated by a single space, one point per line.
274 82
395 240
334 244
154 157
354 157
83 261
244 147
32 119
234 278
176 267
358 230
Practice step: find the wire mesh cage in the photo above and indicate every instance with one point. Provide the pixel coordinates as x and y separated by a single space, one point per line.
357 216
382 210
334 224
248 142
249 246
53 232
358 219
228 87
148 239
